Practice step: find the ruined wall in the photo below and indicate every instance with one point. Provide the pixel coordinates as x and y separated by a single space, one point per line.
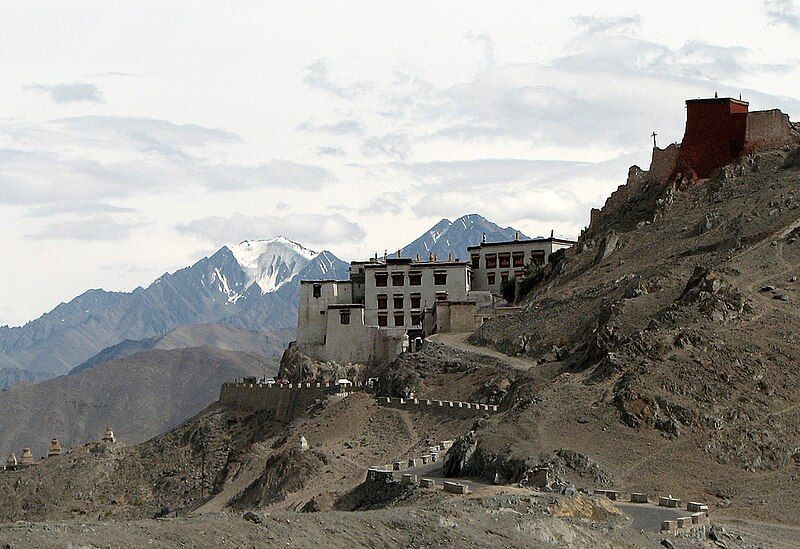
768 130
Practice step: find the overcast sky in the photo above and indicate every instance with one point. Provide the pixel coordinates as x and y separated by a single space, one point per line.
135 139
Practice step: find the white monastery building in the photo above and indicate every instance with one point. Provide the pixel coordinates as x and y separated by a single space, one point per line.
390 303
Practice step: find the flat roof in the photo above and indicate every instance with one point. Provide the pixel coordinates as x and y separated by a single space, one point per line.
419 264
718 100
346 306
526 241
323 281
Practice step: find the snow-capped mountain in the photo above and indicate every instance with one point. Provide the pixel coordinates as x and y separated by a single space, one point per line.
252 285
271 263
452 237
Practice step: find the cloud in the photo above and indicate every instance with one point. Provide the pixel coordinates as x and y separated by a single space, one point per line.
69 93
393 145
95 228
326 150
385 204
309 229
488 47
343 127
94 159
317 77
783 12
608 89
80 208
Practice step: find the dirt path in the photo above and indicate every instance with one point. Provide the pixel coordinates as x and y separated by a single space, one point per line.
459 341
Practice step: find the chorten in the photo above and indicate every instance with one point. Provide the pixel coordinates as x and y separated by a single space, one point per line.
27 457
109 436
12 460
55 448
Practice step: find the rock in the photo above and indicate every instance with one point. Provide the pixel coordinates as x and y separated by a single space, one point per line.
668 544
583 419
252 517
459 454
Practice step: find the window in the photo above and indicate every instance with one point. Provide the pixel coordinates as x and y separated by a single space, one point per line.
490 278
416 301
398 279
491 261
505 260
381 280
537 257
440 278
504 277
383 301
398 301
415 278
344 316
476 261
416 319
317 291
441 296
322 312
383 320
399 319
519 259
518 275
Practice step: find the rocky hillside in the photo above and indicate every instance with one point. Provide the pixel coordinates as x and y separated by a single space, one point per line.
666 339
140 396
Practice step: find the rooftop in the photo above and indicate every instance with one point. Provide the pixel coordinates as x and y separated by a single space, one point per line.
524 241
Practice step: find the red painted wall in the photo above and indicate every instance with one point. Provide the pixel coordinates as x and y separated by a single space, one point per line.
714 136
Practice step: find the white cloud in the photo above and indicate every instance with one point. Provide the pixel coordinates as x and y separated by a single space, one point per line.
69 93
783 12
316 230
94 228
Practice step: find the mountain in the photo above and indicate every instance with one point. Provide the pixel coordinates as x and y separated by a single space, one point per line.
139 396
223 288
11 375
453 237
217 336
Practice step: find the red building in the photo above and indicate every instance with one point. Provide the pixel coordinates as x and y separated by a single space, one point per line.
715 134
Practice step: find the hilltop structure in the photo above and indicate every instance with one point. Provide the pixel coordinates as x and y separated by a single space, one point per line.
720 129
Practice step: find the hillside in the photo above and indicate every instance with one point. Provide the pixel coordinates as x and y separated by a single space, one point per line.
216 336
140 396
665 344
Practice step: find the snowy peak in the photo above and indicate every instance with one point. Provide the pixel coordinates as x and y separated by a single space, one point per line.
271 263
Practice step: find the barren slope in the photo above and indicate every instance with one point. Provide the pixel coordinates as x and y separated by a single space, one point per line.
676 356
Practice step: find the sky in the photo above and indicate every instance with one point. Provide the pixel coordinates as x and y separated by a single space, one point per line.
136 138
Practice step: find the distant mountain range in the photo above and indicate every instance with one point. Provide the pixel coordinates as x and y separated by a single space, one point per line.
452 237
269 344
223 288
251 286
139 396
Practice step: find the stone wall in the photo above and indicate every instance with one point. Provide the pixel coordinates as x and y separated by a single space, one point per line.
285 401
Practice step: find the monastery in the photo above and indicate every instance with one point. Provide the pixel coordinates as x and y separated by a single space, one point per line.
391 304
